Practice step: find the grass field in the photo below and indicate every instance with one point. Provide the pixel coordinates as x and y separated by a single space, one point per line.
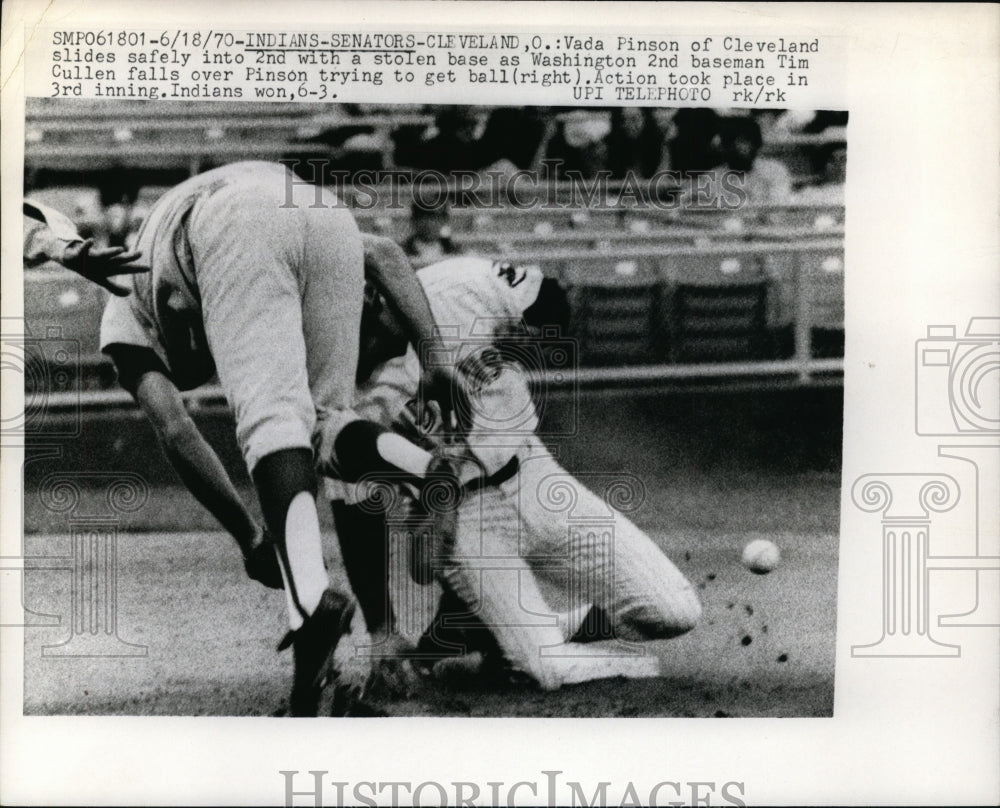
764 645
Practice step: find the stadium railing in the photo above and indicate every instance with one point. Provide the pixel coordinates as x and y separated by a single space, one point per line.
190 141
613 240
628 318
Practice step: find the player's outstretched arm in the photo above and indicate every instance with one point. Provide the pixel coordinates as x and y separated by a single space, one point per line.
199 467
50 236
389 269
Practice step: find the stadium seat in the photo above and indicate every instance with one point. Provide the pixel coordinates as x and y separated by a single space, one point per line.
822 272
716 265
616 310
820 218
719 322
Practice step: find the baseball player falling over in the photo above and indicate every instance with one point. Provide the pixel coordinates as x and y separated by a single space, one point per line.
518 523
260 277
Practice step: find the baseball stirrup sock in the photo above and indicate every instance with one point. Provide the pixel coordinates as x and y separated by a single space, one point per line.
364 447
304 559
285 483
361 532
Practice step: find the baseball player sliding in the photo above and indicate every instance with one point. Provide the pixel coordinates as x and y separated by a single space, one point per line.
260 278
525 521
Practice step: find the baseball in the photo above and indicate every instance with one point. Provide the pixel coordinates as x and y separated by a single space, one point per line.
761 556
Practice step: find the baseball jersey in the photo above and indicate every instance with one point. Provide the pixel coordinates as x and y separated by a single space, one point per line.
472 299
589 553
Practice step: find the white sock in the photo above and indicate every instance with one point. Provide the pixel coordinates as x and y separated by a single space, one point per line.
304 548
398 451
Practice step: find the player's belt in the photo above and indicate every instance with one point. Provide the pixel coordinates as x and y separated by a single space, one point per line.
497 478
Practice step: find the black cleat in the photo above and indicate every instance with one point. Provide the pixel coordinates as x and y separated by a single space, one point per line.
313 644
347 704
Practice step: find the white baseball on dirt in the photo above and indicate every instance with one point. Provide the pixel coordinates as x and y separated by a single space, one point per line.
761 556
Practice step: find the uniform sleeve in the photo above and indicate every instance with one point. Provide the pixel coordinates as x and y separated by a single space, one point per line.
132 363
47 233
119 326
384 399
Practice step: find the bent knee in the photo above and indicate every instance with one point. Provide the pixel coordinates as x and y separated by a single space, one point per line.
547 679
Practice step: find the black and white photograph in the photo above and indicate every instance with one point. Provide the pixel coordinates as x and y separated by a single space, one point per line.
605 410
602 480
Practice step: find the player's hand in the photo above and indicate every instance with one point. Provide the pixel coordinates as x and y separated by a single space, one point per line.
260 561
393 675
102 263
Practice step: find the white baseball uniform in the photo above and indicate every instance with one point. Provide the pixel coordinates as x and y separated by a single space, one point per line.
541 524
47 233
259 276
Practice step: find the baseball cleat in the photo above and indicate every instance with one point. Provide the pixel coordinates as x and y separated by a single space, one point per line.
372 673
313 644
348 705
478 670
458 671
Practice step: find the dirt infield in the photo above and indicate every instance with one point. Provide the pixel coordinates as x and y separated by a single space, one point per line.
764 647
718 471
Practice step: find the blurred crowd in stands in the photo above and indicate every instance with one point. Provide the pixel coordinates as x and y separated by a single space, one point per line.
781 156
639 141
